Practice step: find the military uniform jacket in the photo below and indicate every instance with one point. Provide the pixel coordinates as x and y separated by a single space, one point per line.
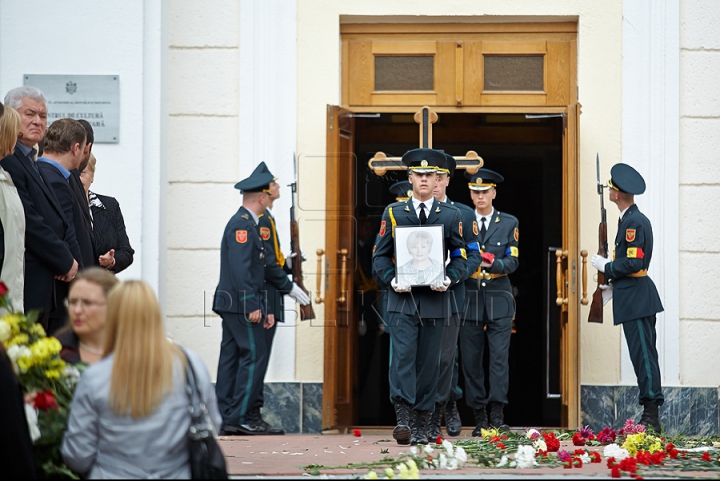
424 301
276 283
242 267
472 246
633 297
495 294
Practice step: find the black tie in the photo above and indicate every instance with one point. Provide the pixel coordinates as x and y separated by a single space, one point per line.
422 216
483 230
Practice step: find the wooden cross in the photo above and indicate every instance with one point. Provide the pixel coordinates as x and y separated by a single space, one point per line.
381 163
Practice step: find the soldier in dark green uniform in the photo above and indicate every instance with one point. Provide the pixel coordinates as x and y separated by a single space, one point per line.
450 333
275 286
490 305
417 314
239 300
635 297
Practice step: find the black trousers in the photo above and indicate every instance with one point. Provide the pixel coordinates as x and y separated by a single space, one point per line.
472 349
415 346
451 329
244 356
641 338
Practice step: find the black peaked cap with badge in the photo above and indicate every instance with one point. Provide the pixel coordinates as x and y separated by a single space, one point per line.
401 190
626 179
483 179
423 161
448 166
258 181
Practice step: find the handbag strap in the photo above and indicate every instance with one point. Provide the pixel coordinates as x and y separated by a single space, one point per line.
196 406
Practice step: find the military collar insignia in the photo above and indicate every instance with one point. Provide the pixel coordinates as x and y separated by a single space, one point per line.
245 216
438 209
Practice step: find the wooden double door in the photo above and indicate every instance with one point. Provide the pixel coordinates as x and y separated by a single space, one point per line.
536 150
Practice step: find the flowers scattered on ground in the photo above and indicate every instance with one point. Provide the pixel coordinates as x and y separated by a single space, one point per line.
357 433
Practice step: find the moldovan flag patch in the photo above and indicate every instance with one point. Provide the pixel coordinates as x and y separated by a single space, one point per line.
383 225
630 235
635 253
514 252
460 228
265 233
241 236
516 235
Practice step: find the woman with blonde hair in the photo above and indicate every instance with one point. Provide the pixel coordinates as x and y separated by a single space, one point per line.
12 216
129 416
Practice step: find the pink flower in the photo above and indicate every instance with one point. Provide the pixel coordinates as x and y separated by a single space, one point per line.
607 435
564 455
585 432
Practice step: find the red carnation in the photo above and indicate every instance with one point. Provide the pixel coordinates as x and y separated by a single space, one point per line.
502 446
706 456
439 440
615 472
357 433
594 457
3 289
578 440
45 401
577 462
552 443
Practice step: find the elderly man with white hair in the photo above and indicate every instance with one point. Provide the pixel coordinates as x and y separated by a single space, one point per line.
47 232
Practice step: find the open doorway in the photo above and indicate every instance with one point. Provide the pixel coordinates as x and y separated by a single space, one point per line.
528 153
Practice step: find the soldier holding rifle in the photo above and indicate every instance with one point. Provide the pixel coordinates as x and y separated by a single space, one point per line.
636 300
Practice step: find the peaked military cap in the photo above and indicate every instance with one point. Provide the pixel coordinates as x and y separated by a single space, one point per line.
423 161
626 179
258 181
483 179
448 166
402 190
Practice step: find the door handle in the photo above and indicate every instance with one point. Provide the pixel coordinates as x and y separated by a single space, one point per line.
318 299
560 255
584 300
343 253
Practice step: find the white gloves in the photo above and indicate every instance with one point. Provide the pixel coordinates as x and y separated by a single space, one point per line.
599 262
299 295
440 285
607 293
289 258
399 286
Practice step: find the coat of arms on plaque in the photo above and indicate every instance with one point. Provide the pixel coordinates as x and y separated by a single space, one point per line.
71 87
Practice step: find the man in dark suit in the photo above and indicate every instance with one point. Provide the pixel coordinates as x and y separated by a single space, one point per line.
417 315
47 233
489 305
239 300
79 191
64 147
452 329
635 297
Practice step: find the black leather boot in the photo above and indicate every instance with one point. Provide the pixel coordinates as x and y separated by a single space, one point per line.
401 433
418 426
497 416
452 419
651 416
481 422
435 424
267 428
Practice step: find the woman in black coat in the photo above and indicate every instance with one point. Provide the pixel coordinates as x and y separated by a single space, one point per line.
111 239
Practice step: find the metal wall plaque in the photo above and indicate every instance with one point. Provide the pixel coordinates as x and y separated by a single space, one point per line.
95 98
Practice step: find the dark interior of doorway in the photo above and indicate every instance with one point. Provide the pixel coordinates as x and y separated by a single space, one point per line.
528 153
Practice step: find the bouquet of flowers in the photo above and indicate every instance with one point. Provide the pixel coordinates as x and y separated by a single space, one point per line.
46 380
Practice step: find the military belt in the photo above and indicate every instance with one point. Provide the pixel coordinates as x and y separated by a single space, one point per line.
485 275
642 273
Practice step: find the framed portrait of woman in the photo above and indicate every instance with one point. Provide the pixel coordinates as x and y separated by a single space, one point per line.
419 254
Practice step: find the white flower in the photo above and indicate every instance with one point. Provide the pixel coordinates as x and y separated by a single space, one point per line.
443 461
16 352
615 451
585 458
503 461
413 450
452 464
5 331
533 434
525 457
448 447
32 421
540 445
461 456
428 449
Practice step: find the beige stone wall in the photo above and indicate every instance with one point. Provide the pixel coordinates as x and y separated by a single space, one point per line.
699 255
203 164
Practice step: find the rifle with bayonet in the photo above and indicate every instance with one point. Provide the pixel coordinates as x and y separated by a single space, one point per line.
306 312
596 307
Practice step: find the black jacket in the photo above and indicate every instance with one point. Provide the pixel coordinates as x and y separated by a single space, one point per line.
48 234
109 232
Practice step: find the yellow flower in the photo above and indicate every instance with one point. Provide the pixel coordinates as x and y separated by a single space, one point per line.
371 475
488 433
5 331
18 340
389 473
38 330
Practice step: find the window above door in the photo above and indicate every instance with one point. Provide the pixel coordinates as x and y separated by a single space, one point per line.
459 65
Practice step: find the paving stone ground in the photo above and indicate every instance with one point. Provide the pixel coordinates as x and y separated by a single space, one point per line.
285 456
